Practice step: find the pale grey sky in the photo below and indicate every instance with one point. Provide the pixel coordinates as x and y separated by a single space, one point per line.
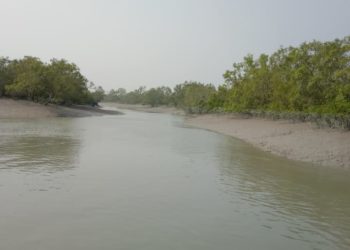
129 43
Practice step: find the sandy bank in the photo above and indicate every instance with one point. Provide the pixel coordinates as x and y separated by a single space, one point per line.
297 141
25 109
145 108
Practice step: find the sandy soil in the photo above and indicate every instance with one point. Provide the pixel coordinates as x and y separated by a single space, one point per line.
24 109
297 141
145 108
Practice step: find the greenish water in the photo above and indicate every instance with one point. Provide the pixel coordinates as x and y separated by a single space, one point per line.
145 181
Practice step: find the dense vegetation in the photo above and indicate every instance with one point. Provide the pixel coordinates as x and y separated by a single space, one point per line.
56 82
191 96
315 77
308 81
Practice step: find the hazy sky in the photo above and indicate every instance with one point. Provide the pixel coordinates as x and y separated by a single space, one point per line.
163 42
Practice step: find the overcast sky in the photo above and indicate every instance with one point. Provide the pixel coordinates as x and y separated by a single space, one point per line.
163 42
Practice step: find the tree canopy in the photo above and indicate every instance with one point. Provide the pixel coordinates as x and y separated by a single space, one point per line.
58 82
312 78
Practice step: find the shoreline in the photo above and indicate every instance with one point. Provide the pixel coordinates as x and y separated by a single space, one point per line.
145 108
299 141
22 109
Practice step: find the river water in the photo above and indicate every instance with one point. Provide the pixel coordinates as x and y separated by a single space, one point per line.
146 181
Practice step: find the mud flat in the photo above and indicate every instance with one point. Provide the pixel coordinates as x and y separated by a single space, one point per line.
145 108
297 141
25 109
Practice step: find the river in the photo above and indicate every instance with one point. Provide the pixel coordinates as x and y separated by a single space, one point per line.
146 181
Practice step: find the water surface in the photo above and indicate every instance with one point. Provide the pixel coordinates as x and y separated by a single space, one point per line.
145 181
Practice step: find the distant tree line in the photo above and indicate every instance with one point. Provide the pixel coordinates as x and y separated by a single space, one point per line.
194 97
58 82
311 78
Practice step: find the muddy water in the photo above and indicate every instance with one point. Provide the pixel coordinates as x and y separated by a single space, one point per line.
144 181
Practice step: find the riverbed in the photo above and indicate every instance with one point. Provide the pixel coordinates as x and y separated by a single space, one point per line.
148 181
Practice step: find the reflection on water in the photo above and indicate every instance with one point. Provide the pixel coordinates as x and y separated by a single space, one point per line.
143 181
313 201
38 146
39 153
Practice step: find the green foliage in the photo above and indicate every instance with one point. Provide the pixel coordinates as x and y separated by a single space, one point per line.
6 75
97 93
158 96
116 95
310 82
29 75
194 97
66 84
315 77
136 96
57 82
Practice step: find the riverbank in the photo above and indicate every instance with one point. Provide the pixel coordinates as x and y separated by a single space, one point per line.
145 108
302 141
297 141
10 109
294 140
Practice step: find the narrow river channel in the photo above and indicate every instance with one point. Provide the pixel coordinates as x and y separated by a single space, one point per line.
146 181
